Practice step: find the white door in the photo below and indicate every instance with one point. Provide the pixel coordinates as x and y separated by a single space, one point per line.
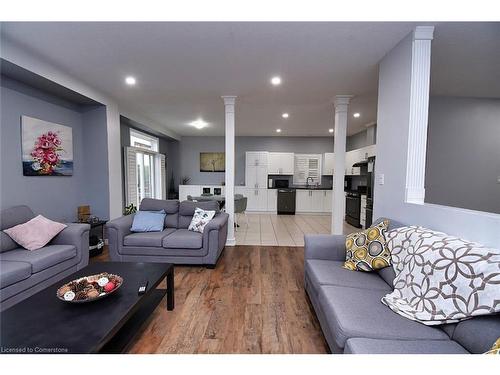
251 176
272 200
303 200
274 163
261 176
317 200
328 164
251 195
327 201
262 199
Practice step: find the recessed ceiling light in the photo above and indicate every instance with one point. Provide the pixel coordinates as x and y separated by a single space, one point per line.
199 124
330 130
278 130
356 115
276 81
130 80
285 115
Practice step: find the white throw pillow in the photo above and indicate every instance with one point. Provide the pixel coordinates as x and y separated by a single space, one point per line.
35 233
200 219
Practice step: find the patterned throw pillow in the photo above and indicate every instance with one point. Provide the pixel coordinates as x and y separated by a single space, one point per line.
495 349
367 250
200 219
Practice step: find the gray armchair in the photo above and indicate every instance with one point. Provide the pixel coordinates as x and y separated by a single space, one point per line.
23 272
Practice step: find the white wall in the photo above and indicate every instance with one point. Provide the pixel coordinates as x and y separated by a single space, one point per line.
392 142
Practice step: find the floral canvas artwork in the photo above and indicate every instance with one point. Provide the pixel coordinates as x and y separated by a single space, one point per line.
47 148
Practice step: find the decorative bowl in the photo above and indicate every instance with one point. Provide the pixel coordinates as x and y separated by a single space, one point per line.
89 288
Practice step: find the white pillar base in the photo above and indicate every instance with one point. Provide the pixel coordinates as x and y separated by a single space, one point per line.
230 242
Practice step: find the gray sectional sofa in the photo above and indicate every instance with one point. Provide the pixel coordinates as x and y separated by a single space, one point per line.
354 320
23 272
175 244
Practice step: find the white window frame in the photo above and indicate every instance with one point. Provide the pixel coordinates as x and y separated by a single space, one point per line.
137 136
297 179
132 179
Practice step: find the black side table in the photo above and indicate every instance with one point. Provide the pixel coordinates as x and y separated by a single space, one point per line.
96 250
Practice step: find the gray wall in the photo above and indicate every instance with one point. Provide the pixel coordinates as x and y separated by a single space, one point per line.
95 140
392 141
364 138
190 148
463 153
56 197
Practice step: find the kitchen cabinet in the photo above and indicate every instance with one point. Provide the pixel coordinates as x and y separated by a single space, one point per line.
328 163
256 158
312 200
303 200
256 199
272 200
280 163
327 200
256 169
256 176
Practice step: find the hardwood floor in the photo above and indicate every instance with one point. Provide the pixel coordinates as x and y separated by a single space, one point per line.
252 302
268 229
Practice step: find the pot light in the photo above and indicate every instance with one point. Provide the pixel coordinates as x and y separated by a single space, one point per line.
330 130
356 115
199 124
278 130
130 80
285 115
276 81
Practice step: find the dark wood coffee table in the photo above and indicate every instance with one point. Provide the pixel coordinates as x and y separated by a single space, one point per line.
44 324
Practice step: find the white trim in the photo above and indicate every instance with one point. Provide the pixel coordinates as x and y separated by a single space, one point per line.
229 137
419 113
341 103
230 242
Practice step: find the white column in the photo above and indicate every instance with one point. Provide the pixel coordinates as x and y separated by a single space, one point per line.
230 161
419 112
114 160
341 103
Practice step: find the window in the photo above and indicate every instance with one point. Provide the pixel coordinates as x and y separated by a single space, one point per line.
307 169
145 169
143 140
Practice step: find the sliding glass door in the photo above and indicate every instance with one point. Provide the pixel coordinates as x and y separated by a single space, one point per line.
146 175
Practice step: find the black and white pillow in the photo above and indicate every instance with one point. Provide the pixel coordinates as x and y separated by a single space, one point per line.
200 219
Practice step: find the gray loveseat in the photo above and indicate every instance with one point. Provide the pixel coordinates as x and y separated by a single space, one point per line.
23 272
354 320
175 244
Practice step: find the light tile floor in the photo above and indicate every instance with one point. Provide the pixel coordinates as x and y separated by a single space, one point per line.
268 229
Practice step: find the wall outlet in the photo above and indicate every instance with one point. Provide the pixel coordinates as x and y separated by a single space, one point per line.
381 179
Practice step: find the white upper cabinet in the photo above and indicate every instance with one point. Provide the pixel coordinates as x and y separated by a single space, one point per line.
256 158
328 163
256 170
280 163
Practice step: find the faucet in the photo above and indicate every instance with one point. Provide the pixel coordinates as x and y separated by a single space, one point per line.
307 181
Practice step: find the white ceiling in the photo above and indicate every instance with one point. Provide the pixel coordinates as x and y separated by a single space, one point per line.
182 69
